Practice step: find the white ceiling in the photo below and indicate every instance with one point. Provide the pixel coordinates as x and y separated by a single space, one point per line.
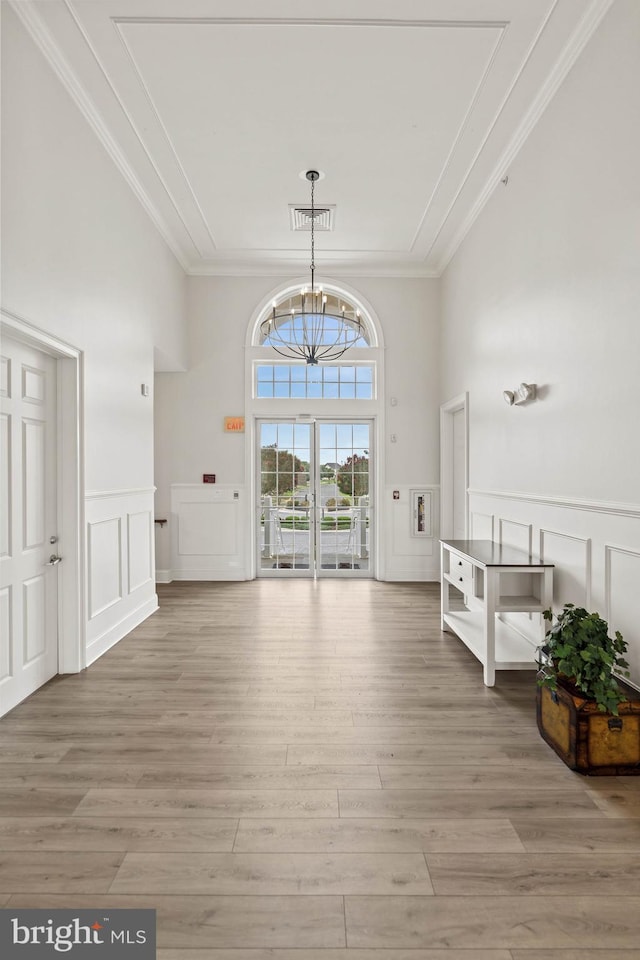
411 109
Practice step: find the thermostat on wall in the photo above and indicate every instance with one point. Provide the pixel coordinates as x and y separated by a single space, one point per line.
208 478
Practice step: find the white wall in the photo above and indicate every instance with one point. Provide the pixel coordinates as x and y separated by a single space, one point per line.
546 289
190 407
81 261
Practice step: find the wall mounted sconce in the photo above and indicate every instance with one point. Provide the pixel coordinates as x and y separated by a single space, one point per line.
526 391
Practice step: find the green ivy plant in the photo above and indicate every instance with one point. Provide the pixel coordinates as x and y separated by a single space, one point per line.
579 651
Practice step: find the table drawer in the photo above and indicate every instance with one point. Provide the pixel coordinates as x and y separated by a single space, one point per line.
459 567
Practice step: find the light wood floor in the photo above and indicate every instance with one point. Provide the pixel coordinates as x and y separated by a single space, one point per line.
312 771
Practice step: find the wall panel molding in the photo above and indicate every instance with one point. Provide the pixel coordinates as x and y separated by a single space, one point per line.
104 564
572 557
120 564
481 525
595 547
207 525
514 533
622 600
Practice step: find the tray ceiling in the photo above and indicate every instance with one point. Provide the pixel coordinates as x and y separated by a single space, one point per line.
411 109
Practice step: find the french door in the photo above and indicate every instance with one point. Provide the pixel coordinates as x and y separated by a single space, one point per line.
315 509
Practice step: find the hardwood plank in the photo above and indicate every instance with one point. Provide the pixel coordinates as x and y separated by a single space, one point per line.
36 802
58 872
251 776
117 833
309 734
617 801
208 803
430 753
377 836
259 874
579 836
493 922
540 874
209 753
461 777
69 775
467 803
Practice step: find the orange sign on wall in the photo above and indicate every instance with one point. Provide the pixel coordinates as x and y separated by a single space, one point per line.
234 424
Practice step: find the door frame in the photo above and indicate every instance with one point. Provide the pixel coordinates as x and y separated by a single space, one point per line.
447 410
312 420
70 468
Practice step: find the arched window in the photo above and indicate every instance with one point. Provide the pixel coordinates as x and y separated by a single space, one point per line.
331 317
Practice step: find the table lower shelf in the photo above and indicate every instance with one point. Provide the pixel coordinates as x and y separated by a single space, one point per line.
512 651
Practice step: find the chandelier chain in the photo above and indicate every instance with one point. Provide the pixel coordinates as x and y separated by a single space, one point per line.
313 234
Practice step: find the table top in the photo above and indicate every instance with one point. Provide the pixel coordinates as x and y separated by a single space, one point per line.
488 553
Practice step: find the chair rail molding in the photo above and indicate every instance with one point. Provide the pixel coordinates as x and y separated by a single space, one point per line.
573 503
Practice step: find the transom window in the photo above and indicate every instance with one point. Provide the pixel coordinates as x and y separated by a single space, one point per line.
322 382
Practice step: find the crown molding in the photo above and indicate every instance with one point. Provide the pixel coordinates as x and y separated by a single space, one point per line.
568 57
285 268
31 20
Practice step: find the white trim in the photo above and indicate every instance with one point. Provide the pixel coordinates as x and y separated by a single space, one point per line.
119 630
106 494
164 576
447 410
70 462
254 268
593 506
568 57
41 36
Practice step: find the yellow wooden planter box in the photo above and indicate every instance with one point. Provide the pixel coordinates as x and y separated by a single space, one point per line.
588 740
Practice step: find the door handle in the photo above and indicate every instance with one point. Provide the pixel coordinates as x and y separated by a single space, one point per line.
53 559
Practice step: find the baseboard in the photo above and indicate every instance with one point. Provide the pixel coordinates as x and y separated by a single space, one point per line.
101 644
164 576
410 576
204 574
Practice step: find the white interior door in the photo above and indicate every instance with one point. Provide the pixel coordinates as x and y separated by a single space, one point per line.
454 468
28 502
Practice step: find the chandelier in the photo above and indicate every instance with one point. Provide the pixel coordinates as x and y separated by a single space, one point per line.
311 325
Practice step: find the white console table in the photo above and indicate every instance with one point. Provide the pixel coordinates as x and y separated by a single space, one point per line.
493 580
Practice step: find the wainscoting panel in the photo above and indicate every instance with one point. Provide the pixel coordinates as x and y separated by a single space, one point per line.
140 549
481 526
208 532
572 574
623 598
514 534
595 547
104 556
120 566
410 557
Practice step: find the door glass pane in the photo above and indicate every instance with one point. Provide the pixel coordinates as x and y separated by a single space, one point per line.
344 536
285 497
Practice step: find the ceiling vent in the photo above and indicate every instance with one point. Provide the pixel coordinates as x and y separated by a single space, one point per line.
301 217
